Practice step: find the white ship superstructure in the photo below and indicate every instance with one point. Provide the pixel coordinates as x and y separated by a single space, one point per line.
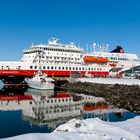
120 60
63 60
117 60
57 60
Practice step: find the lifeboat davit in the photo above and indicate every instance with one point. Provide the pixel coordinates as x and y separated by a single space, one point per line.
101 60
89 59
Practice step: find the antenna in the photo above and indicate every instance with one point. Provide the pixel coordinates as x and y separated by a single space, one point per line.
100 48
107 47
87 48
94 46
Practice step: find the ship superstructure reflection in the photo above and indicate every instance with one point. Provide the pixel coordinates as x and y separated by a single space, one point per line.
14 99
52 109
46 107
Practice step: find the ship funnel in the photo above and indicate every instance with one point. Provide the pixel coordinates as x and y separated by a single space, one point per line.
118 49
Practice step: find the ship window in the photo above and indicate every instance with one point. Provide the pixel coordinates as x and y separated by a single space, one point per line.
48 67
52 67
66 68
76 68
89 69
62 68
35 67
55 67
31 67
59 68
79 68
69 68
83 68
44 67
73 68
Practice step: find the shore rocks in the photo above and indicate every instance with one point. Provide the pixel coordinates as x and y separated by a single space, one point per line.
120 96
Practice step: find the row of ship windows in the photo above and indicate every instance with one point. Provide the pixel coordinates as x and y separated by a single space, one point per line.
61 50
65 68
122 62
52 50
70 55
115 58
57 58
59 100
62 109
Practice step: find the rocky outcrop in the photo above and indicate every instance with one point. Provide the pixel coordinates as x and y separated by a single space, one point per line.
120 96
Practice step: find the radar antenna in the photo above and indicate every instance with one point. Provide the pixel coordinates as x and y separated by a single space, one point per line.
53 41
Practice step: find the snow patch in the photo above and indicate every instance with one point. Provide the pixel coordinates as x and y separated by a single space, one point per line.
110 81
90 129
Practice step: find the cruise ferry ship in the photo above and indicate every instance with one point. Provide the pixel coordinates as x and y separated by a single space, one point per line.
60 60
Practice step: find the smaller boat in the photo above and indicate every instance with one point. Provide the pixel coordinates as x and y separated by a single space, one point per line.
40 81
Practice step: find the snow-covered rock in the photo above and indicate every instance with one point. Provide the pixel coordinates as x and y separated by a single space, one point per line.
90 129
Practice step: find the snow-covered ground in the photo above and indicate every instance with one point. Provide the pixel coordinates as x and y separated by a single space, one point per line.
111 81
90 129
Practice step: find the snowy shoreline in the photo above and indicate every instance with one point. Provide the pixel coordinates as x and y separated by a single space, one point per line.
89 129
122 81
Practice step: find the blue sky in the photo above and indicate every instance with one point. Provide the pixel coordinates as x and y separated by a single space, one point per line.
113 22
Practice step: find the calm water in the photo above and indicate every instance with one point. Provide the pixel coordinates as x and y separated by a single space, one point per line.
24 110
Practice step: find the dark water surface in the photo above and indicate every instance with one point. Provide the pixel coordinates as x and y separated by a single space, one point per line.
24 110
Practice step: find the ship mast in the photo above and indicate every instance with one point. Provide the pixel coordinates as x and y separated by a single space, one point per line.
39 55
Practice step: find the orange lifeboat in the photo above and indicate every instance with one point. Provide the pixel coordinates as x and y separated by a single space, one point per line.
112 64
101 60
91 106
89 59
62 95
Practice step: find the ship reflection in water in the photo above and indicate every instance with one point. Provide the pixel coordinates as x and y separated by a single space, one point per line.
30 110
52 109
